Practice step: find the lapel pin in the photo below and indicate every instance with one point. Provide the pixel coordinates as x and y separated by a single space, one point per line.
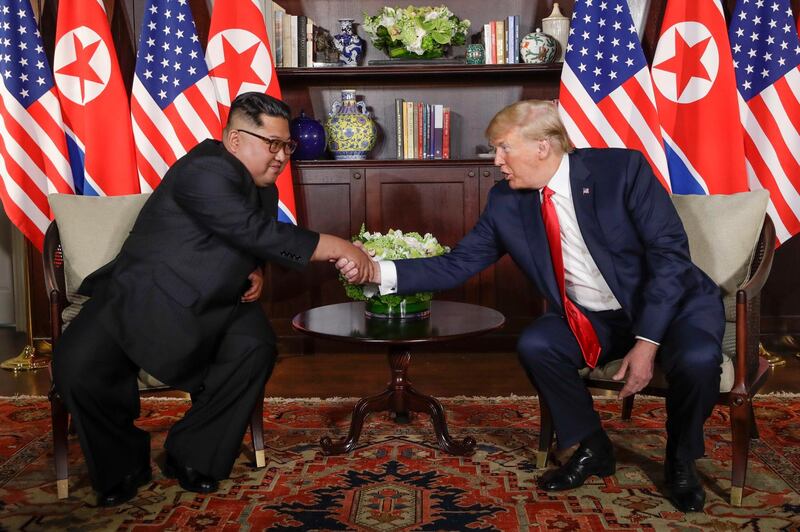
585 191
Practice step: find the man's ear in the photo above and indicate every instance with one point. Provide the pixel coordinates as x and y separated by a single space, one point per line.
231 139
543 148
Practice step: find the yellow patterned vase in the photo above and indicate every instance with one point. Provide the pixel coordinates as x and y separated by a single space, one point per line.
351 131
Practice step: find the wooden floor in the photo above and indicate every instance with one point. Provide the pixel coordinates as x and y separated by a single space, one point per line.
333 372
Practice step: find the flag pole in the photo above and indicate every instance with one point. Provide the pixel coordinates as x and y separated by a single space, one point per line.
28 359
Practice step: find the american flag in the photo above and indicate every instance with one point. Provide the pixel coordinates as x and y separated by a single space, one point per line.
173 104
766 54
33 147
606 96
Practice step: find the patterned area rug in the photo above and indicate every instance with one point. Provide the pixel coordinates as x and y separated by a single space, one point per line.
398 479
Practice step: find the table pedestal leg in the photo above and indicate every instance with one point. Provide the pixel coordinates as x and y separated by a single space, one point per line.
399 397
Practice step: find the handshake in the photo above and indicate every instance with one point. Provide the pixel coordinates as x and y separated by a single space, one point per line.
358 265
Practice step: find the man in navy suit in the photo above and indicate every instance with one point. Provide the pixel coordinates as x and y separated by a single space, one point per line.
598 235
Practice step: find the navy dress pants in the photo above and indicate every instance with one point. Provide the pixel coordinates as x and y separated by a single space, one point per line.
690 355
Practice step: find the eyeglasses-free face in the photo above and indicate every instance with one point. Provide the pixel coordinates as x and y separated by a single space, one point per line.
275 145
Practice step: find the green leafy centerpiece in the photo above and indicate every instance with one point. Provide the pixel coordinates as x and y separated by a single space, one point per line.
395 245
415 32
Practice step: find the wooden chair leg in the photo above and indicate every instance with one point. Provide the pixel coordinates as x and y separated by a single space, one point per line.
753 426
257 432
627 407
741 425
59 419
545 435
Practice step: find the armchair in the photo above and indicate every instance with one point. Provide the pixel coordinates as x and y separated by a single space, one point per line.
87 233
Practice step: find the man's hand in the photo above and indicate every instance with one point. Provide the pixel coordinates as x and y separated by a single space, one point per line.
638 364
256 285
346 267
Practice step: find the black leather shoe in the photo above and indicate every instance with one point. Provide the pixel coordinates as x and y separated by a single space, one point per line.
583 463
125 490
686 492
189 478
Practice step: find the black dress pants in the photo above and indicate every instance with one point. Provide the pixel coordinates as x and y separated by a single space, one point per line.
690 355
98 384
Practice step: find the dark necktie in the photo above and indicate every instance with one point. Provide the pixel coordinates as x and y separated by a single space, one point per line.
579 324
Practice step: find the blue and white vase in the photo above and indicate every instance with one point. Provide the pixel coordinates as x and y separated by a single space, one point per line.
351 131
349 45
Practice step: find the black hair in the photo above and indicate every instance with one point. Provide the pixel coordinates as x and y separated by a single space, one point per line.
254 104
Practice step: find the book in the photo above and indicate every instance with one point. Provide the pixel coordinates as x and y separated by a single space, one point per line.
492 50
438 122
398 116
420 116
446 133
309 42
487 43
302 41
290 41
510 40
267 10
279 15
501 42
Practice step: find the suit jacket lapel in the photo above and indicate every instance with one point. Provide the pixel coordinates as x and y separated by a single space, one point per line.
531 213
583 197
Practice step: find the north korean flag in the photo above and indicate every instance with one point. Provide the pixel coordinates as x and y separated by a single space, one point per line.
697 102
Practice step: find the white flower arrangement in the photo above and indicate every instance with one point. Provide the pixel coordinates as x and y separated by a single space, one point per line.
421 32
395 245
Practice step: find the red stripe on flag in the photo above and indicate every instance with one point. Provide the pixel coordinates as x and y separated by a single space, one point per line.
182 131
789 100
628 135
148 173
56 134
770 128
644 104
152 132
767 181
19 175
585 125
21 220
206 113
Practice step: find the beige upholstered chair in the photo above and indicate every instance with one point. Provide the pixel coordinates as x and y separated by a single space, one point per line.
87 233
733 240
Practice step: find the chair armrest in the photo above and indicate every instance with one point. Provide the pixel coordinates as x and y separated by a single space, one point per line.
53 265
762 261
747 311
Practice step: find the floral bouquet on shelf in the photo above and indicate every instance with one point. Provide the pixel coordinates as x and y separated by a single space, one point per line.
392 246
415 32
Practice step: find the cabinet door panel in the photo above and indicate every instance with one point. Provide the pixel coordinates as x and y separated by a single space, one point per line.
504 286
442 201
329 200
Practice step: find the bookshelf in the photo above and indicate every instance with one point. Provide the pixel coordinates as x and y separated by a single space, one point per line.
444 197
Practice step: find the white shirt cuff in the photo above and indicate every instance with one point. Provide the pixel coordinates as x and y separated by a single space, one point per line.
388 280
647 340
388 277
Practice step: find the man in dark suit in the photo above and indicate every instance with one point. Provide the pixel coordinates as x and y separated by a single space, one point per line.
180 301
598 235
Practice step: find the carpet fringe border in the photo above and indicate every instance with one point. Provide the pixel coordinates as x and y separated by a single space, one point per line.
338 399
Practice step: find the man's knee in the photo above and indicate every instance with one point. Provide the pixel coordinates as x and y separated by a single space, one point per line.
700 363
534 347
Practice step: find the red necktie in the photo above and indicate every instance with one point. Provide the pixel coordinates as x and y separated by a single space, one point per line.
579 324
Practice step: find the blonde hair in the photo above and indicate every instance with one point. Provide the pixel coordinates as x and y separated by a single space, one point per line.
536 120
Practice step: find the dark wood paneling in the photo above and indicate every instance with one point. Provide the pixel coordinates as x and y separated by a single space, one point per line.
441 201
329 200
